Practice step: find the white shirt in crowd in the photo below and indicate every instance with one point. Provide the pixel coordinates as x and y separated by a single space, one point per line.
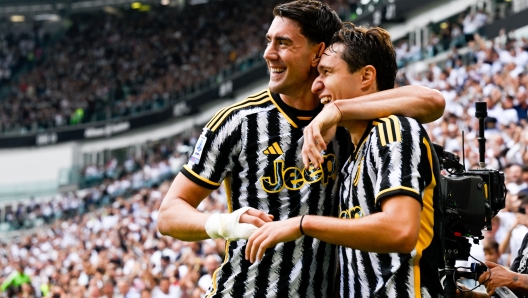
174 292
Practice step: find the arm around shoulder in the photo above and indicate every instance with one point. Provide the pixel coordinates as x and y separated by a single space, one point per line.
430 104
418 102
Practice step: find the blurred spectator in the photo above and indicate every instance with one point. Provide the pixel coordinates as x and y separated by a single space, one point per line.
102 241
113 66
125 290
17 281
211 263
516 182
165 290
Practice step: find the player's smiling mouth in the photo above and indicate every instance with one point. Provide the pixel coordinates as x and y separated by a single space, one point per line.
277 69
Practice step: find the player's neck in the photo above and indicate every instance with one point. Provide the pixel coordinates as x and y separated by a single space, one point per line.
356 128
305 101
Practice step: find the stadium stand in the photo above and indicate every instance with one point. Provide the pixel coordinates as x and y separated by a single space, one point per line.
102 241
113 65
108 66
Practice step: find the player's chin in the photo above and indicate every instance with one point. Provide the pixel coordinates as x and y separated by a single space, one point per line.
277 85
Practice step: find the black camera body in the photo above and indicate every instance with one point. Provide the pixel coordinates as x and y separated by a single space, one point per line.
470 199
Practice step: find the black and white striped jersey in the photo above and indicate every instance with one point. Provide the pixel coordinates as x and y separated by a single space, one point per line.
394 157
254 146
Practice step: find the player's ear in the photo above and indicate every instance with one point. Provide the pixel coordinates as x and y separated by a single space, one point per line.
318 50
368 77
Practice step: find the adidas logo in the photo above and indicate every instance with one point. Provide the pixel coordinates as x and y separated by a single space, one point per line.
273 149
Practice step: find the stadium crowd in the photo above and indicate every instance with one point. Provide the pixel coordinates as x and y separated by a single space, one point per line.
493 71
103 241
20 46
112 251
102 234
453 33
116 65
112 65
103 183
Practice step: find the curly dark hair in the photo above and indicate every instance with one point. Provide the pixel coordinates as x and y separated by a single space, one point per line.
317 20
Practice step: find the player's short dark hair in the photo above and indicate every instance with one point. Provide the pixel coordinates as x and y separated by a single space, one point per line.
317 20
368 46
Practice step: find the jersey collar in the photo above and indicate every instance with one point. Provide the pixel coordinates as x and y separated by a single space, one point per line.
297 118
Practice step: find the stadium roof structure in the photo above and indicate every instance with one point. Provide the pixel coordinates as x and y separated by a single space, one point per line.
32 7
375 12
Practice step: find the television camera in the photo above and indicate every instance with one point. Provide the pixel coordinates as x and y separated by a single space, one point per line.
471 198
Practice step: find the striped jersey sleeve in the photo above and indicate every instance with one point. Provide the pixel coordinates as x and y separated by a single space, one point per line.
399 152
220 143
394 157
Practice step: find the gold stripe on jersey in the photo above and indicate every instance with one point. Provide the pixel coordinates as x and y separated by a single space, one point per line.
426 233
273 149
381 133
356 179
356 151
281 111
219 117
393 189
200 177
226 258
229 197
221 112
277 148
227 185
390 137
393 131
397 127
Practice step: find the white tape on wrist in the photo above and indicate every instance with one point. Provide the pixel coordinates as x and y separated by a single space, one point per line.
227 225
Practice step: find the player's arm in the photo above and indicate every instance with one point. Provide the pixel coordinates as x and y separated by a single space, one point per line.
421 103
179 218
418 102
394 229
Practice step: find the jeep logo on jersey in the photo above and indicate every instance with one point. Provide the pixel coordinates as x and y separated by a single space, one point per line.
354 212
294 178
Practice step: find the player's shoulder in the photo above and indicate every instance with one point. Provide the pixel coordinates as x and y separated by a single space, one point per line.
241 109
395 119
393 128
395 122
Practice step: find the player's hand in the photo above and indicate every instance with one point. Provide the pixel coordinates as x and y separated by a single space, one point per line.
269 235
319 133
500 277
255 217
239 224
